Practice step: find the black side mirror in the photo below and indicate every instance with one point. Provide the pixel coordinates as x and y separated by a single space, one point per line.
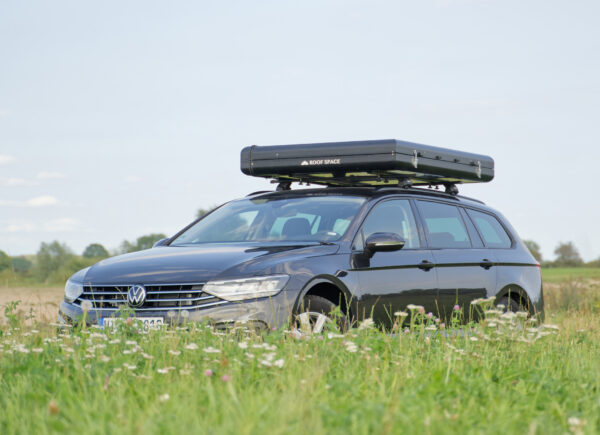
161 242
383 242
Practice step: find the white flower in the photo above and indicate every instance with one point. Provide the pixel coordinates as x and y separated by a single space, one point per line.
37 350
366 324
431 328
163 371
163 397
175 352
243 345
549 326
86 306
131 343
413 307
350 346
104 358
211 349
191 346
401 314
473 339
279 363
129 366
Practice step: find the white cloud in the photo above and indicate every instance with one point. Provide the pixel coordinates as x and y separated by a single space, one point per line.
42 201
16 182
132 179
49 175
6 159
22 227
65 224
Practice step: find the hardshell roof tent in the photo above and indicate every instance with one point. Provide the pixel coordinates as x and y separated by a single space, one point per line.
387 162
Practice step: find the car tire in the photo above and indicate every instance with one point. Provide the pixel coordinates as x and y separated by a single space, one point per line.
509 304
316 313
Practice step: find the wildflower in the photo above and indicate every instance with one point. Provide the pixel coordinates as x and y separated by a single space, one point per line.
279 363
131 343
208 373
174 352
473 339
211 349
442 325
163 371
104 358
243 345
431 328
366 324
114 341
163 397
191 346
225 378
86 306
456 307
401 314
184 372
429 315
522 314
412 307
146 356
53 407
350 346
332 335
129 366
549 326
249 355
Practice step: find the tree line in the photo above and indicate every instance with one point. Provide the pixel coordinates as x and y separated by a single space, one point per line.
55 262
567 255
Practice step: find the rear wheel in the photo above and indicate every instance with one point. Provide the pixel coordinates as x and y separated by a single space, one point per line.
318 314
509 304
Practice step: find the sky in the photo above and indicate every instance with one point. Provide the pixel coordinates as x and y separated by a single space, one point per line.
121 118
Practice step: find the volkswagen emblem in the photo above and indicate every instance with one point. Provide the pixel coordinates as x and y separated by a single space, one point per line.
136 296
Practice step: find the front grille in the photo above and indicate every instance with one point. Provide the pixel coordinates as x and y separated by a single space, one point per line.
158 297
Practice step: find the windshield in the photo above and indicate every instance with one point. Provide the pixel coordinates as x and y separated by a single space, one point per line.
307 219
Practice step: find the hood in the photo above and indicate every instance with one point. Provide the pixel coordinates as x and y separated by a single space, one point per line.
196 264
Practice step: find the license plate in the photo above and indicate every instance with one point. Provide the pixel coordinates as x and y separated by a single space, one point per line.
145 322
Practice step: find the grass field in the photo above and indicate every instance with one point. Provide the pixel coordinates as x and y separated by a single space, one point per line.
504 375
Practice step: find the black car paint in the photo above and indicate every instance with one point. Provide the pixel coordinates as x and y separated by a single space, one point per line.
376 286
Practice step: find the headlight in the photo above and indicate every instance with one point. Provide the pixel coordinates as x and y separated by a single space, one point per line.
247 288
72 290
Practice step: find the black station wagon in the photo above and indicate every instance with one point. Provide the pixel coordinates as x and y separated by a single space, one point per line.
366 245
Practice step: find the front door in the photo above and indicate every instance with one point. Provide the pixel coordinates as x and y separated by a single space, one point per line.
390 280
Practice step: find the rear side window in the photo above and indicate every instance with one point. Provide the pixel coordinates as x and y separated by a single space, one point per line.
444 225
493 233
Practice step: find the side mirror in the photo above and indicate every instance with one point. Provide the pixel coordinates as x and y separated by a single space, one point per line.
161 242
383 242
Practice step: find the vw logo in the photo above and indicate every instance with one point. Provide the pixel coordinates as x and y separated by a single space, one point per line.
136 296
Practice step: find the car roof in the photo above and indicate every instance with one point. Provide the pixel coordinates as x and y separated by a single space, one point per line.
368 192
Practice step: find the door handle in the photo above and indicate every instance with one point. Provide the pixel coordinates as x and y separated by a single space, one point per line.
426 265
486 264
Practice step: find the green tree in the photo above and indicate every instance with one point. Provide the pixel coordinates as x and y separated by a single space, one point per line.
95 250
202 211
20 264
534 248
50 257
143 242
567 255
4 261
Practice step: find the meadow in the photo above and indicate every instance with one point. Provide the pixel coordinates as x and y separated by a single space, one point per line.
506 374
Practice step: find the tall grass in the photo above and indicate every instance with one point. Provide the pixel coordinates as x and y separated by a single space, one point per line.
503 375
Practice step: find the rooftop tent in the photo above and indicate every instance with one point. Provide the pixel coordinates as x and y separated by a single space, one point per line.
386 162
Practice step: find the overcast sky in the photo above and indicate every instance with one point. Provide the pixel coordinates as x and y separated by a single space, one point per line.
119 118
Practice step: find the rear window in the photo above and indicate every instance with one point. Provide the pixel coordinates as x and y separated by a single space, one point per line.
493 233
444 225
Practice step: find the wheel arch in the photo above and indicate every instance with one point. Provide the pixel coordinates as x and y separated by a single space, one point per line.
329 287
518 294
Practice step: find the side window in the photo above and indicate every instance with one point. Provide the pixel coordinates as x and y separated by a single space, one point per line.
494 235
394 216
444 225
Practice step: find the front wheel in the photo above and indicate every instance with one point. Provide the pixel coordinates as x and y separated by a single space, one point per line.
317 314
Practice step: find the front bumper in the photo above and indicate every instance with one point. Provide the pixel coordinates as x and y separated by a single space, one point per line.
272 312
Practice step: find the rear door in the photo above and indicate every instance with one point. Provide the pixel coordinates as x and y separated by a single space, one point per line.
465 268
391 280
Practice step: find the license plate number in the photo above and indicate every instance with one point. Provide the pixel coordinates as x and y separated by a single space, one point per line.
145 322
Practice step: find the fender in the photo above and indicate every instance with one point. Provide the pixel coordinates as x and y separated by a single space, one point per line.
512 289
322 279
